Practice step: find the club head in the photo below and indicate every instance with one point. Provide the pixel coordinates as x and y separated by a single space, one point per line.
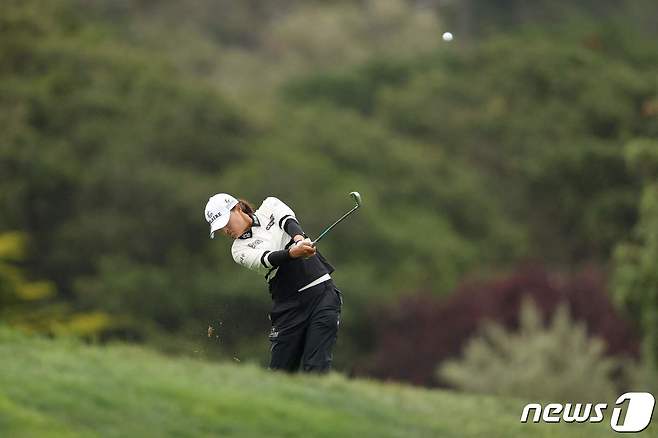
357 198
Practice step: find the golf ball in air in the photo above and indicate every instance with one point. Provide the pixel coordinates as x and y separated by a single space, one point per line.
447 36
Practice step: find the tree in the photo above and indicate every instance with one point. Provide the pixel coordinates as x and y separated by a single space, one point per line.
636 274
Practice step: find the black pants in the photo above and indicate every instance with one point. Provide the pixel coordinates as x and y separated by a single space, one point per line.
305 328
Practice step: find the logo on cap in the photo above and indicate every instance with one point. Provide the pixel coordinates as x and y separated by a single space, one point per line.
213 217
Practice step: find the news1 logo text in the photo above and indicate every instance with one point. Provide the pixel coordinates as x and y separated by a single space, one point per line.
638 412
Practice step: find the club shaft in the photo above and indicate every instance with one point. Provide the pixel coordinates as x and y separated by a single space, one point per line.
334 224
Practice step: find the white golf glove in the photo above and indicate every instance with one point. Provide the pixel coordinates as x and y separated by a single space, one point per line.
307 240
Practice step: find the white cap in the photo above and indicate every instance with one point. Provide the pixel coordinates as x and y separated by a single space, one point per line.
218 210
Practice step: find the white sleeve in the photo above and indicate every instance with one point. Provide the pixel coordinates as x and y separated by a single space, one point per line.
282 213
248 257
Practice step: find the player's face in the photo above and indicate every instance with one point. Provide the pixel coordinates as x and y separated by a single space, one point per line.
238 223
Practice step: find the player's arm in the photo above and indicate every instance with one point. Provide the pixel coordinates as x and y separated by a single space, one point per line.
264 260
286 219
250 258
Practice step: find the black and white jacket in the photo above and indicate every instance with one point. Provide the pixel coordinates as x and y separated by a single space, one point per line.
264 248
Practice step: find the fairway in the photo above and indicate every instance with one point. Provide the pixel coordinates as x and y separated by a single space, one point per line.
66 389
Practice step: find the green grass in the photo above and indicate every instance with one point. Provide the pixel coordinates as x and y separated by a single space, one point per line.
65 389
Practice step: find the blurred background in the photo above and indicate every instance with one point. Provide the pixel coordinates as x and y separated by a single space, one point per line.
508 242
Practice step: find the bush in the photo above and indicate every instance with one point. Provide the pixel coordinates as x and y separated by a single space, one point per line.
557 363
29 305
419 331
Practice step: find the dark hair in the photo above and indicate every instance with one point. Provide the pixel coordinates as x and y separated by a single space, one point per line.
246 207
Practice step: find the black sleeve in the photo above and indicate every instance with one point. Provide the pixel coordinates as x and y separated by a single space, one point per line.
293 228
276 258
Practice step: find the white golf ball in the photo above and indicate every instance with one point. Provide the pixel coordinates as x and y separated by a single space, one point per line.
447 36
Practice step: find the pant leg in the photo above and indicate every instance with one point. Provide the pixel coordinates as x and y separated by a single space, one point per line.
287 336
286 350
322 332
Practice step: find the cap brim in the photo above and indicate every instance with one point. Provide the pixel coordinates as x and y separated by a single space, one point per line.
218 224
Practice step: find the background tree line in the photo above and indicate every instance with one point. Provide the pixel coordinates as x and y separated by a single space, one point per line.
532 140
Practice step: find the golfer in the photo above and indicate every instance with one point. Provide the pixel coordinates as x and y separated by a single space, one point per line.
306 305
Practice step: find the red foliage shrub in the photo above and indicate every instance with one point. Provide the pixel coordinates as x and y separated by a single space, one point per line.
421 330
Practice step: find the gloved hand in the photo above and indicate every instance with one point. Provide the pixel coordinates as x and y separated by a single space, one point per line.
302 248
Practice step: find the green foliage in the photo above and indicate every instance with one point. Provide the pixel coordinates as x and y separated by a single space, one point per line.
107 154
29 304
14 287
642 157
247 49
640 376
410 189
542 121
636 276
557 363
585 201
116 124
64 389
476 19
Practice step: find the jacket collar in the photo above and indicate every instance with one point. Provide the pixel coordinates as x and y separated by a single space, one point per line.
256 223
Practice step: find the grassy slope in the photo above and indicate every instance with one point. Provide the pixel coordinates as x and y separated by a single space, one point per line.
62 389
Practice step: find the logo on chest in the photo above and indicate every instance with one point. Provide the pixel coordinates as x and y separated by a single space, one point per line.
270 223
255 243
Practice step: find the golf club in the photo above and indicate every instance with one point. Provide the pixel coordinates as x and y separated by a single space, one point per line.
357 199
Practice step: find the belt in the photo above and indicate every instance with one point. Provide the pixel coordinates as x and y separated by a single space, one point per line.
322 279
